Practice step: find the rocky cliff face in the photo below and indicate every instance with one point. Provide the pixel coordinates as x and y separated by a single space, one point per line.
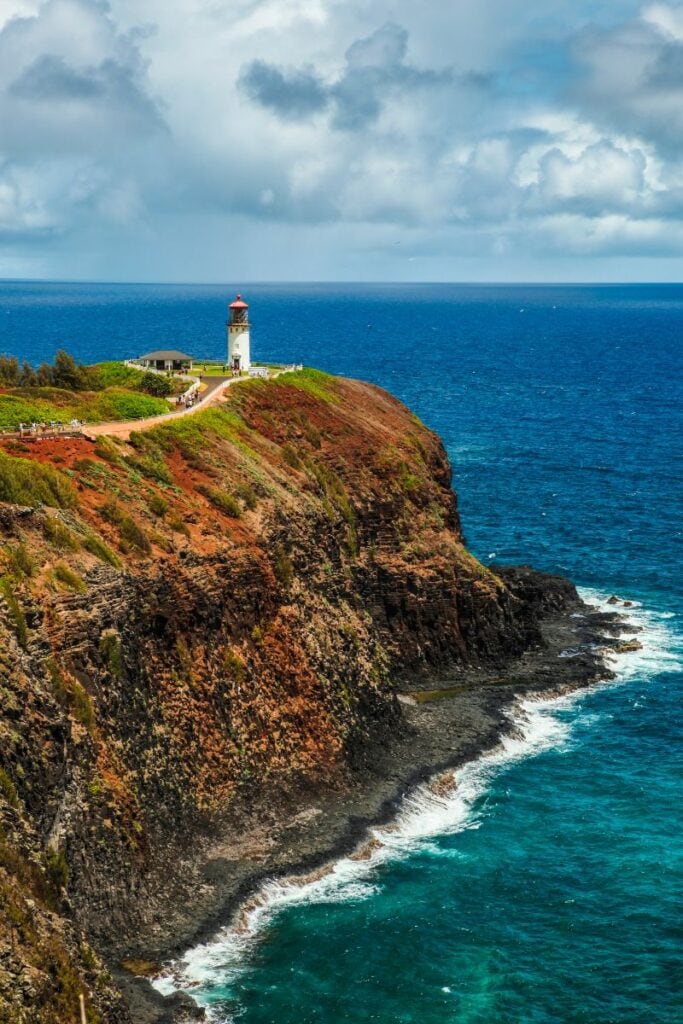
216 610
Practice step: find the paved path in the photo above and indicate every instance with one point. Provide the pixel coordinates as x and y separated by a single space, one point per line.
124 428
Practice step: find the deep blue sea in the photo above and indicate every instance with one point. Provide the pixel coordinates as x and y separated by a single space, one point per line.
546 889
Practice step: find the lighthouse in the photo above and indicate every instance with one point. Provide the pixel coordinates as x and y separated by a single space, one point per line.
239 358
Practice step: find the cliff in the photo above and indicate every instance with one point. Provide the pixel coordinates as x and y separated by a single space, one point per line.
214 613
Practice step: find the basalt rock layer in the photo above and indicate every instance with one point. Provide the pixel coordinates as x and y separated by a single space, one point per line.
215 611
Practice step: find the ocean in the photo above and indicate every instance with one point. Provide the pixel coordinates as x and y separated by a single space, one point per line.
545 889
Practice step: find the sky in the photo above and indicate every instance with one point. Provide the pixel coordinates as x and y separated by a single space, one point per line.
256 140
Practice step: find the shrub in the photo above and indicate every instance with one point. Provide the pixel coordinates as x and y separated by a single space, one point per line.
21 563
290 456
247 495
23 482
107 450
221 500
110 649
60 535
71 695
64 574
98 548
283 567
234 665
134 535
155 384
15 610
8 790
158 505
57 870
178 525
151 467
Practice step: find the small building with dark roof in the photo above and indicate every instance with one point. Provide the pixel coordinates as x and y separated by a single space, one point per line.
166 359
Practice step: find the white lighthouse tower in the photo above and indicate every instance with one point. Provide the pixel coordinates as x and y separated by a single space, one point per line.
239 356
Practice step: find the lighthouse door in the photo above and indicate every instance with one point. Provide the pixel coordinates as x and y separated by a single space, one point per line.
236 364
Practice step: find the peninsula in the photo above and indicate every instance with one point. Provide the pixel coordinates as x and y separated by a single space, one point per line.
227 643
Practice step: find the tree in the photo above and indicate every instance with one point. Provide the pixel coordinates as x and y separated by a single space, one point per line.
154 384
66 373
44 375
27 377
9 371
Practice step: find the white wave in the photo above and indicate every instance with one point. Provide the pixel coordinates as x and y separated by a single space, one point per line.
440 807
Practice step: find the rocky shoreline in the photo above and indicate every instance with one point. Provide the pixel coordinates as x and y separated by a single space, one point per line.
449 720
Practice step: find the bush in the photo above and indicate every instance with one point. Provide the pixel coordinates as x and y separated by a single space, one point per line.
221 500
21 562
15 611
60 535
71 695
283 567
110 649
158 505
23 482
290 456
248 495
8 789
57 870
151 467
64 574
155 384
98 548
134 535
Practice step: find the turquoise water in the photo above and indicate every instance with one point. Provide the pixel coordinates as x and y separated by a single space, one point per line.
545 889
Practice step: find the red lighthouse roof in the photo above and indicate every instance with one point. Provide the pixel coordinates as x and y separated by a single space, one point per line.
238 303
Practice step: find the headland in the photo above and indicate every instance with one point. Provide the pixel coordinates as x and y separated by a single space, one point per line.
229 643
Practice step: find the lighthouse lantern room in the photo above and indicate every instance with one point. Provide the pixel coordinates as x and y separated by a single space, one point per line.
239 358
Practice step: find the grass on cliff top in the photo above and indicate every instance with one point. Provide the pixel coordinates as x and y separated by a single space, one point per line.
315 382
193 433
24 482
25 405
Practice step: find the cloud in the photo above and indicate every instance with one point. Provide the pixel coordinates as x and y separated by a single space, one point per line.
375 69
299 136
289 93
630 77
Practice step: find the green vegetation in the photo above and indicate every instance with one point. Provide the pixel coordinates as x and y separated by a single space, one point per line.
20 561
222 500
65 574
60 535
46 405
132 535
151 466
8 789
248 495
290 456
193 434
234 665
73 697
315 382
23 482
97 547
158 505
57 870
283 568
15 611
110 649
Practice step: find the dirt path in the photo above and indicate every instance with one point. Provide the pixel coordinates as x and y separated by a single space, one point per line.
124 428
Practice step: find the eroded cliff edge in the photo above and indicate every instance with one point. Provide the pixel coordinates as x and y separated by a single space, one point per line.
210 618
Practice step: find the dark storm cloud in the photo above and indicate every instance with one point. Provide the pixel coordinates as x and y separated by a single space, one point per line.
51 78
291 93
375 68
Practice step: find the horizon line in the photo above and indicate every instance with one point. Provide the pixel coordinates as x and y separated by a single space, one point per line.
331 281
